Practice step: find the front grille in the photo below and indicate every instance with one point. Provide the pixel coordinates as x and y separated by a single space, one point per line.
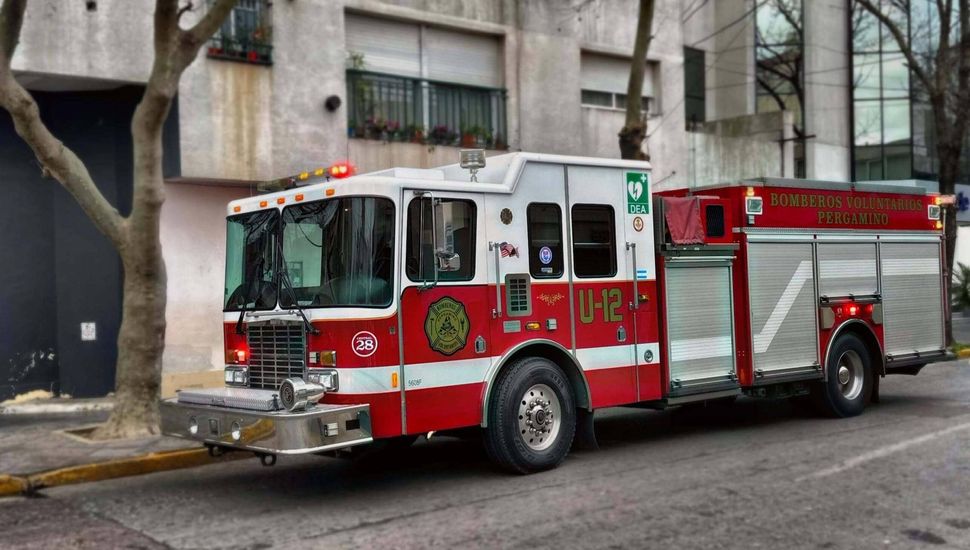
277 351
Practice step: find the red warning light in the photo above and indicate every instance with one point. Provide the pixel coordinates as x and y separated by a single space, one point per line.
341 170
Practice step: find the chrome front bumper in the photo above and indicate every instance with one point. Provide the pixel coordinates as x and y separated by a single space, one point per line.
321 428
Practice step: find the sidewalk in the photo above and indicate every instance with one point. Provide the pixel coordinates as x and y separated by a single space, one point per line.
36 443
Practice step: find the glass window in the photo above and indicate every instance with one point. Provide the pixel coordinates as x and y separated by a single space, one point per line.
597 99
250 261
545 240
594 240
450 246
694 85
339 252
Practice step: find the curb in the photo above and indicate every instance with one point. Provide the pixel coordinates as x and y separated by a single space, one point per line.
12 485
55 408
124 467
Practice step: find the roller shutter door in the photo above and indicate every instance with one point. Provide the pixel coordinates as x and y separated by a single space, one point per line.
781 286
699 324
463 58
388 46
847 269
912 297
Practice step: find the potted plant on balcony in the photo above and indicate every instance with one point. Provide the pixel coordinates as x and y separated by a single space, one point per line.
470 135
391 131
441 135
415 133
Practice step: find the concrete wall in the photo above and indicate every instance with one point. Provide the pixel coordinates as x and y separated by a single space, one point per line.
827 82
194 246
61 37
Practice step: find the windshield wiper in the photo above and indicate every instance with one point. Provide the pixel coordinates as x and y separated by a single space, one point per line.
249 292
284 275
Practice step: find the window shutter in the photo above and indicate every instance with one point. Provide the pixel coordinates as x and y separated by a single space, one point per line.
606 73
463 58
388 46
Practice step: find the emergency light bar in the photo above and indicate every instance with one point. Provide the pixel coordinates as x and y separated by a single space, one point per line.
337 170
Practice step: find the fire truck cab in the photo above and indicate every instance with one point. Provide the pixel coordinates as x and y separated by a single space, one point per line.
521 294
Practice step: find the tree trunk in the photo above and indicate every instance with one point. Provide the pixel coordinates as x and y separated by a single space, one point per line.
635 126
949 170
141 342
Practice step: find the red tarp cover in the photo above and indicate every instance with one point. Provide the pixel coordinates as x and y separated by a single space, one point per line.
683 216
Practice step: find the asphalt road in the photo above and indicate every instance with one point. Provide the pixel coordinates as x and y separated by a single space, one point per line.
765 474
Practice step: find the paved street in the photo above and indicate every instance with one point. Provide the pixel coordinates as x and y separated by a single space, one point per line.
756 474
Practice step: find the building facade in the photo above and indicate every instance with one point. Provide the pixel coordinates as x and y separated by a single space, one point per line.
733 89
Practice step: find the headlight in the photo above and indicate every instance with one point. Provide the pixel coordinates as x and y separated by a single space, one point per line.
325 377
236 376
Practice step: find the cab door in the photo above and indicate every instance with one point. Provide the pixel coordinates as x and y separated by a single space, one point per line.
444 310
601 270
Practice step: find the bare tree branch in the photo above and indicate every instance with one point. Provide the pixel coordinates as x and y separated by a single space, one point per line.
210 22
186 8
55 158
903 42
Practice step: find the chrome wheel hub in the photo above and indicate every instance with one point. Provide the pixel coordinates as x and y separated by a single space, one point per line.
539 412
851 375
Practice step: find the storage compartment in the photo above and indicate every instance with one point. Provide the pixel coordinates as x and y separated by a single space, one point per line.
912 297
781 294
700 327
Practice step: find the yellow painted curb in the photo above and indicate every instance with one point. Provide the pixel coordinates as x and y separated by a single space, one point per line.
964 353
124 467
12 485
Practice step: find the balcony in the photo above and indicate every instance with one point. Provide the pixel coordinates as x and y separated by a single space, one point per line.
394 108
244 50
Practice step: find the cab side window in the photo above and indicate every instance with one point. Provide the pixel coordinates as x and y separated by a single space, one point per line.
454 238
545 240
594 240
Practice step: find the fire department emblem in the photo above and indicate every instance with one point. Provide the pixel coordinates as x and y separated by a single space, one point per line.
446 326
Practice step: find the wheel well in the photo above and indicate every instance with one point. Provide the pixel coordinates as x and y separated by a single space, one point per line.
868 338
552 352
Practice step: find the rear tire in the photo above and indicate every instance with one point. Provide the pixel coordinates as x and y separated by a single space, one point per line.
531 417
848 387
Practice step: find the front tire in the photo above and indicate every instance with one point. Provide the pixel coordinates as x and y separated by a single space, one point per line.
531 417
848 388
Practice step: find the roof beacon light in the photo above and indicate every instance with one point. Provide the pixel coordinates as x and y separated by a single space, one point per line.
341 170
472 160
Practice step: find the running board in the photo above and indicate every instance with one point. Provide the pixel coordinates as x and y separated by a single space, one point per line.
708 396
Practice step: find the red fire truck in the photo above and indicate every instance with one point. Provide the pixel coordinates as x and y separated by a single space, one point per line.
522 295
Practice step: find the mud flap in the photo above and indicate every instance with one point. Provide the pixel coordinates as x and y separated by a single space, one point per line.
585 439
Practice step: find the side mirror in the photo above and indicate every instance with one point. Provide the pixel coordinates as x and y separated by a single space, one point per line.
448 261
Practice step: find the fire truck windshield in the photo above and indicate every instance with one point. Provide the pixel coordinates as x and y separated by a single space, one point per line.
251 261
339 252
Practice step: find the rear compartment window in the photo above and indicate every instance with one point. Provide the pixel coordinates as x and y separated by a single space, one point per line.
714 220
545 240
594 240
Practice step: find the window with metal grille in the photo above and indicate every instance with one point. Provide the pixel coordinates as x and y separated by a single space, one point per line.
518 294
714 220
246 34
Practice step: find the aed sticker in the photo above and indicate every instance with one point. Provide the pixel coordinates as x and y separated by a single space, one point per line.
545 255
364 343
638 224
641 274
638 193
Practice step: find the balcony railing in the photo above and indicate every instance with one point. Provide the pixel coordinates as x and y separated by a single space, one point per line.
395 108
245 50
